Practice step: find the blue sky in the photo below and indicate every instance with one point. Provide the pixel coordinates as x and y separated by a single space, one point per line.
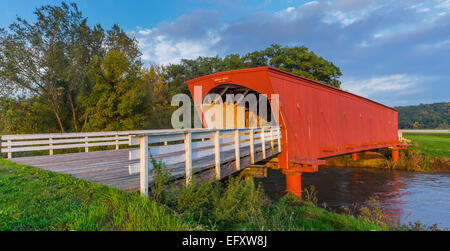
394 52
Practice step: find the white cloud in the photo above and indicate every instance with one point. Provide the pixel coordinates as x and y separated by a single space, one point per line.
348 12
382 84
145 31
162 49
432 47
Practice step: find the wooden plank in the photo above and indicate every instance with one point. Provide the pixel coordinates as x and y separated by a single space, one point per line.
236 149
263 142
202 135
63 141
162 138
54 147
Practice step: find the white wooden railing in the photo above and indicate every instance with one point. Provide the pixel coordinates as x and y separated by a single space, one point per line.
51 141
196 149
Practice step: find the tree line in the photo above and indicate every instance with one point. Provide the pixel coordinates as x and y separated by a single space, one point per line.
58 74
429 116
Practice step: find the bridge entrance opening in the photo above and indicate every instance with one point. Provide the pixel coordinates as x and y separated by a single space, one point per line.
235 106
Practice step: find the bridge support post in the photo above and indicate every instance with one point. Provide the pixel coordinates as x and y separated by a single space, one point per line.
395 154
355 156
293 183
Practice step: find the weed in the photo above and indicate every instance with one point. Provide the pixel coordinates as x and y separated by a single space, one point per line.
161 177
310 194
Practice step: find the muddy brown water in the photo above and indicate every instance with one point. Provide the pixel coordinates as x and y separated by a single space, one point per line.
404 196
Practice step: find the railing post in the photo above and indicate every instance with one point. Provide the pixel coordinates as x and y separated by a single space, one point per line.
143 165
117 140
279 139
86 147
51 146
237 150
188 156
263 143
217 153
9 149
272 150
252 147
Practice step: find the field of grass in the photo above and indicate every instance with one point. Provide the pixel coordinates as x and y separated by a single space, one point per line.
34 199
435 145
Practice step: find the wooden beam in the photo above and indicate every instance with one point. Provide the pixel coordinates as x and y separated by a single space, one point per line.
252 147
217 154
143 165
51 146
263 143
86 147
188 156
237 149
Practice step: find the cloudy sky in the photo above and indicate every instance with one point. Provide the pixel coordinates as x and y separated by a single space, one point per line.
395 52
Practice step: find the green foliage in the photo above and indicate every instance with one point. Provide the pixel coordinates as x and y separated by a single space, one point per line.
291 214
430 116
161 177
25 115
212 205
158 109
117 98
51 62
302 62
310 194
373 212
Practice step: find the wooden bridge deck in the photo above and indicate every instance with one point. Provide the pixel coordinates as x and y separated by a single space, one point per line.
111 167
106 167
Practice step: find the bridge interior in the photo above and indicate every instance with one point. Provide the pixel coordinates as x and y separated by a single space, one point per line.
240 107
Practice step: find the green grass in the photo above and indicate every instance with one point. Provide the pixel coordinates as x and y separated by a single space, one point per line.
35 199
435 145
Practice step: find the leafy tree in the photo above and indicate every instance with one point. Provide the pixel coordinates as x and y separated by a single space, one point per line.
302 62
431 116
117 101
51 58
24 115
297 60
158 109
48 59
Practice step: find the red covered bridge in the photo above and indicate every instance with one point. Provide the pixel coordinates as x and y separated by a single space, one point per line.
317 121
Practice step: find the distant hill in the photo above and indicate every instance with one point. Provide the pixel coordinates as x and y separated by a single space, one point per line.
428 116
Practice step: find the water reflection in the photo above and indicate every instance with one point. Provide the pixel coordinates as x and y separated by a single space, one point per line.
405 196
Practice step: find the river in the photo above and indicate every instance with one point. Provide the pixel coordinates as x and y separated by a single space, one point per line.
404 196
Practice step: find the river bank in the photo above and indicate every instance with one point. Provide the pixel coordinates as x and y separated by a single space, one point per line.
426 153
35 199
